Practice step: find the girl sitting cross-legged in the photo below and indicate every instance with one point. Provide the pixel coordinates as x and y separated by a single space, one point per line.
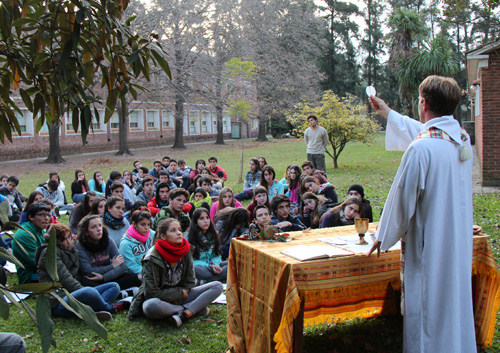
99 298
137 240
168 279
100 261
208 265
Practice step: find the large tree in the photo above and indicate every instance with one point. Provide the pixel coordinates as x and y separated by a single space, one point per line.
182 26
53 51
282 40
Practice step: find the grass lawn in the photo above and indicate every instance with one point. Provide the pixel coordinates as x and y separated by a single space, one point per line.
368 165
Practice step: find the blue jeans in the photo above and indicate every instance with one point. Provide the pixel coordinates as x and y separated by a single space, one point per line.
98 298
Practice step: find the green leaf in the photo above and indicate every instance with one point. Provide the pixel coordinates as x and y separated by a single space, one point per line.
26 99
7 255
88 316
45 324
51 256
9 296
29 310
74 118
162 62
37 287
111 103
4 308
66 305
39 124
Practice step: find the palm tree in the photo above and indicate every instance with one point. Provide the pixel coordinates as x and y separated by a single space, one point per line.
408 29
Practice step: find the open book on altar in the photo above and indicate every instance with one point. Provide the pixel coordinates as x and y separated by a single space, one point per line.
314 252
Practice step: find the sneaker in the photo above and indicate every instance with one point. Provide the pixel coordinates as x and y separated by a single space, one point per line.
204 312
121 305
103 316
178 319
130 292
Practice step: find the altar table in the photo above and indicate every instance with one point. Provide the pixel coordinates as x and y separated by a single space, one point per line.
266 290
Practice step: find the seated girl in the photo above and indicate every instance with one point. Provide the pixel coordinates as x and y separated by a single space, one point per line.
79 186
216 183
113 218
252 179
310 209
208 265
100 261
99 298
98 206
284 180
267 180
137 240
97 184
168 290
129 186
343 214
34 197
200 198
226 199
327 190
138 205
81 210
294 187
260 197
262 162
229 223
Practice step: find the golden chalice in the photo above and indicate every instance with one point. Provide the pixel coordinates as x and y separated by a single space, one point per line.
361 225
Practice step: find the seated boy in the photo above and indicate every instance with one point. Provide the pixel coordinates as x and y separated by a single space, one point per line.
13 196
117 190
206 183
164 177
160 200
177 200
281 216
186 173
217 171
308 169
165 162
174 173
157 166
148 189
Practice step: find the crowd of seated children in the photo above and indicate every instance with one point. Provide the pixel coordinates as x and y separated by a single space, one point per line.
115 233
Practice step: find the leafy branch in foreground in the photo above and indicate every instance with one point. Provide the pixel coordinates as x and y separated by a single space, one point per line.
54 53
42 316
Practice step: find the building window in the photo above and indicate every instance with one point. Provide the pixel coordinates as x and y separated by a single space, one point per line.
167 119
70 128
185 124
135 120
194 122
226 123
114 121
255 124
153 120
205 122
248 89
21 119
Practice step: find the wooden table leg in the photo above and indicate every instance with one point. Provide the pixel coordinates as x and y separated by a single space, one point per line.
298 330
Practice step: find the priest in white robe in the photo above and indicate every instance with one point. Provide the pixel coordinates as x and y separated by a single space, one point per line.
431 202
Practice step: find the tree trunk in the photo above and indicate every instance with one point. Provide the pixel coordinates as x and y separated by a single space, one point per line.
262 130
220 126
54 156
179 117
218 109
123 148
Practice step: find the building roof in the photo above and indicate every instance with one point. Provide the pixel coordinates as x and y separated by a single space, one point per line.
478 58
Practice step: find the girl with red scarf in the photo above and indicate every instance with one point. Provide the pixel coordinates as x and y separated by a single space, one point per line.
168 279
